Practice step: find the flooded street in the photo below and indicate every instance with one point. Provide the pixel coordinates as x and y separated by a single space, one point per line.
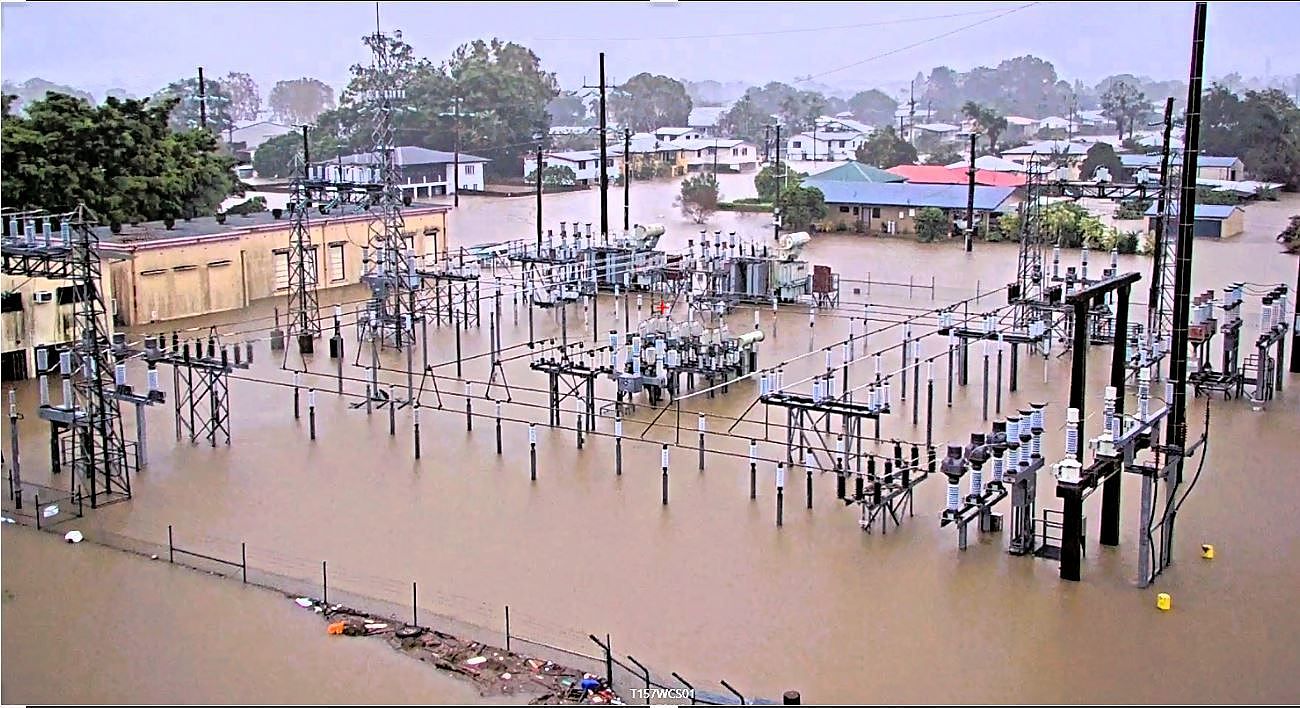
706 586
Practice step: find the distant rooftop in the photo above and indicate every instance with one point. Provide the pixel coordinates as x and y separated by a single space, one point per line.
407 155
1215 212
853 171
904 194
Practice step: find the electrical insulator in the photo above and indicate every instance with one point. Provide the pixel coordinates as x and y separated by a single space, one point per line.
1072 432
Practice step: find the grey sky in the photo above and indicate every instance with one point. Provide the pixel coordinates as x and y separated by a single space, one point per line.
142 46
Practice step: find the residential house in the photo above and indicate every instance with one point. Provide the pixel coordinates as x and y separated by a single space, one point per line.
704 119
1063 155
939 174
584 163
1209 167
671 133
650 156
424 172
1211 220
991 163
842 123
728 155
250 136
928 136
891 207
853 171
1057 127
1019 128
830 145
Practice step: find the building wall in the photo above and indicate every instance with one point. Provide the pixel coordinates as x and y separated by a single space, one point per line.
904 218
44 324
1227 173
175 278
1234 225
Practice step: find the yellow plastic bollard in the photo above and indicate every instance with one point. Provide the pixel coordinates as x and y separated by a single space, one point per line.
1207 551
1164 602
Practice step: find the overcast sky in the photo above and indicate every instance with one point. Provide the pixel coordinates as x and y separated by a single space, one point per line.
142 46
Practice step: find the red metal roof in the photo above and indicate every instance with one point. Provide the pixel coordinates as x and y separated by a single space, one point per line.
939 174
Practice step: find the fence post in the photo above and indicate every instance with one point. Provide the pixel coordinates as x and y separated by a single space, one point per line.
243 559
647 676
729 688
324 584
38 514
415 605
687 684
171 547
507 627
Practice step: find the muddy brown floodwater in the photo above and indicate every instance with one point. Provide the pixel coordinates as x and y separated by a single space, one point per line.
708 586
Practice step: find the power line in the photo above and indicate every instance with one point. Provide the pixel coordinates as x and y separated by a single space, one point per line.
913 45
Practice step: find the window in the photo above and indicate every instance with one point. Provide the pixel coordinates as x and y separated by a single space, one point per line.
734 152
798 144
875 212
281 269
744 151
911 212
582 164
901 213
609 163
469 169
841 143
855 211
844 210
338 269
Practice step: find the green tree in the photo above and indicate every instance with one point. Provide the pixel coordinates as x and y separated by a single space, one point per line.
699 197
931 224
1101 155
1290 236
121 159
946 154
35 89
649 101
987 121
183 95
801 207
245 98
1263 129
873 107
568 109
884 148
554 176
768 181
745 120
1124 103
299 101
281 156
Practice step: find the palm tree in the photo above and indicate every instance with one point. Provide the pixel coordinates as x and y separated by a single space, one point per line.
989 121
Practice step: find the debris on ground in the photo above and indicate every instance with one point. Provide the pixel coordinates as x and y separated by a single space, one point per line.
495 671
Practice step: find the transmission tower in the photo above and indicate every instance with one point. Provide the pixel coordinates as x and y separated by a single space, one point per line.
86 427
1029 266
304 309
389 265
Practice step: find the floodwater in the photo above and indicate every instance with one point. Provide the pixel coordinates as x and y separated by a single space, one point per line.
708 586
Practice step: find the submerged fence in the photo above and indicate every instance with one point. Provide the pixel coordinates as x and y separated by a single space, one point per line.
465 618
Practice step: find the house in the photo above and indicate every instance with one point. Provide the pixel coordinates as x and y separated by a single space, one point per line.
728 155
250 136
939 174
1065 154
424 172
671 133
830 145
991 163
928 136
704 119
890 207
1211 220
1019 128
651 157
842 123
584 163
853 171
1056 125
1212 167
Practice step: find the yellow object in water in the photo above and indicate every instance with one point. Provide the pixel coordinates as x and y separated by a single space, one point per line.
1207 551
1164 602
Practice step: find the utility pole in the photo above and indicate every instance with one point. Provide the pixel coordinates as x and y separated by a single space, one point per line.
776 201
538 175
970 196
627 179
1295 325
715 158
455 180
1183 282
767 144
203 102
604 173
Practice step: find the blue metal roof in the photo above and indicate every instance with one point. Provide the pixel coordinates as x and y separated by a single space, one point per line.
1217 212
906 194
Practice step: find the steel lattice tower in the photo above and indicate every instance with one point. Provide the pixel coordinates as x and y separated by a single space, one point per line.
1029 265
86 431
389 269
304 308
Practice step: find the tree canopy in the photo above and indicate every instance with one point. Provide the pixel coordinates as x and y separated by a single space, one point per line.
1262 128
801 207
987 120
35 89
554 176
873 107
769 181
649 101
699 197
245 97
1125 104
187 114
1101 154
299 101
121 159
884 148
